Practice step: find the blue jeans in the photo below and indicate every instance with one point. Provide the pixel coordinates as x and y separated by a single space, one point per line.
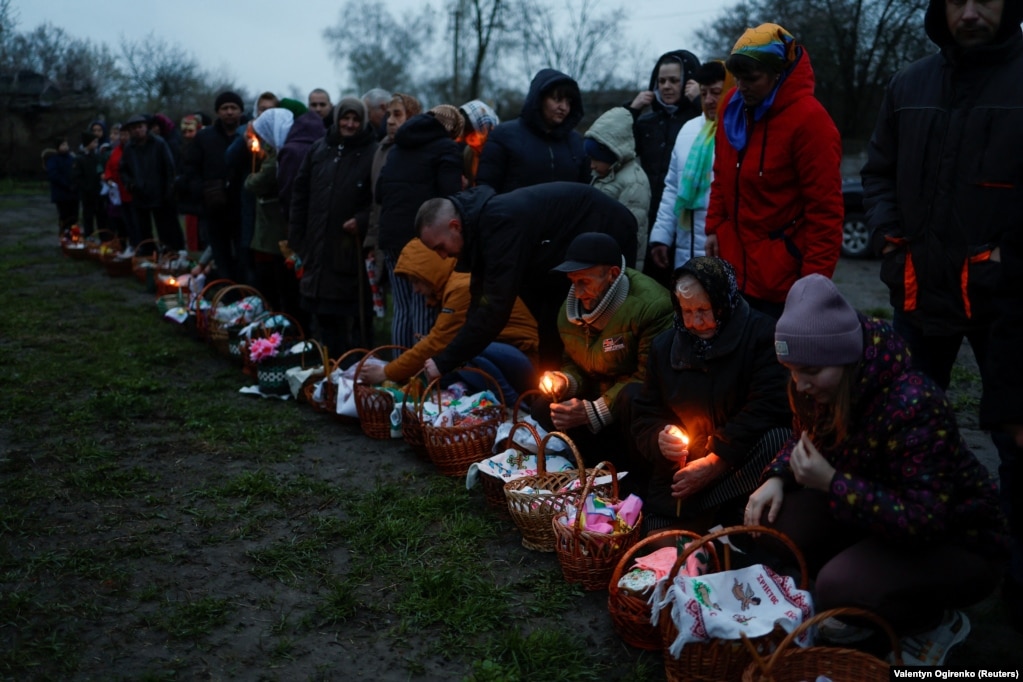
509 367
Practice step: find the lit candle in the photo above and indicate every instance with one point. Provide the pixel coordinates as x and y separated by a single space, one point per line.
547 384
678 433
254 146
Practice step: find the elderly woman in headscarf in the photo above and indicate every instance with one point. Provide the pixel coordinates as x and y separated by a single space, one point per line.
776 207
480 119
272 276
712 411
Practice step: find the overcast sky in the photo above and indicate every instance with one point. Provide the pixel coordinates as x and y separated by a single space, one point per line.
274 45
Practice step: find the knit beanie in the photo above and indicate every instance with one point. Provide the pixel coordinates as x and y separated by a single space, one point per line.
818 327
450 117
769 44
228 97
599 151
294 106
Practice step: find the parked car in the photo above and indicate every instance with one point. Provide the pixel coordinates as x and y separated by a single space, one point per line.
856 241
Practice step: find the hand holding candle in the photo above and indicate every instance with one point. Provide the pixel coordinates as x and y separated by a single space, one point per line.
553 385
674 445
254 147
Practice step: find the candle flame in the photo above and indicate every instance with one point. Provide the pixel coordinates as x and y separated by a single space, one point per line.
254 145
680 434
548 384
172 281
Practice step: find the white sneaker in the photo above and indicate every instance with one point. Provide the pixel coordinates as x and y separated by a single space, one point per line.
834 631
930 648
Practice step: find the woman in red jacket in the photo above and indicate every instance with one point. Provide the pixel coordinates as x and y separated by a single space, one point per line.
775 207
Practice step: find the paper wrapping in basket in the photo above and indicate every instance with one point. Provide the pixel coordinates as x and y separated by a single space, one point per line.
721 605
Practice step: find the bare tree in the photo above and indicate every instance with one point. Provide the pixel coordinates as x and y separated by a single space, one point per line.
484 23
574 37
379 50
854 45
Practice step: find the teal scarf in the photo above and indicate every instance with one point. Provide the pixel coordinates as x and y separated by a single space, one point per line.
694 183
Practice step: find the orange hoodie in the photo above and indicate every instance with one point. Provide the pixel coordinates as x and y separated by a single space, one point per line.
451 293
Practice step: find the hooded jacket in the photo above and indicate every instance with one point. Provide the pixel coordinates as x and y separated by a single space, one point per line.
776 206
332 186
725 401
451 294
904 472
655 130
944 178
626 181
522 152
510 244
423 164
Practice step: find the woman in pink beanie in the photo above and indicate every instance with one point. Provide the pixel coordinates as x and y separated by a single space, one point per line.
876 486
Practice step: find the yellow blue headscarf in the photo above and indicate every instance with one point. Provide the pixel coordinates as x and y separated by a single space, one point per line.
776 49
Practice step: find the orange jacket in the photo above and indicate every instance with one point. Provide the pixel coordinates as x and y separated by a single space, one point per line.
451 293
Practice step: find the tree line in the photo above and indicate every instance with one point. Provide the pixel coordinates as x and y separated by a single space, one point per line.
486 49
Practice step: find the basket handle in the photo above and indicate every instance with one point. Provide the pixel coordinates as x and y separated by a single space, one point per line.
541 455
653 538
153 256
518 403
269 315
591 483
742 530
321 351
210 285
820 617
436 384
362 360
532 432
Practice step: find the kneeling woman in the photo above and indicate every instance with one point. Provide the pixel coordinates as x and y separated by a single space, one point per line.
713 378
892 511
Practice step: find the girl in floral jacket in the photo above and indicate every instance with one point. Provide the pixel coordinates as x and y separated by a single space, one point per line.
876 486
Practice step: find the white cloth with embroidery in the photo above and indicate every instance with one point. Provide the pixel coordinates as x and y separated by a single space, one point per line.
722 605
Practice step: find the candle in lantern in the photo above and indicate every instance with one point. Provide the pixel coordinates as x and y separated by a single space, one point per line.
684 439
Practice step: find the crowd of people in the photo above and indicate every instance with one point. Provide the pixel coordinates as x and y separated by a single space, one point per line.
664 280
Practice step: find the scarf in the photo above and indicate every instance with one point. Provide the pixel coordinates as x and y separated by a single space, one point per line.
694 185
776 49
273 126
608 306
717 277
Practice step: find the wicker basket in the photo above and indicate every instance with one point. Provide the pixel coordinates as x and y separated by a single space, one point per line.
373 404
115 264
223 336
493 487
166 283
321 359
587 557
531 511
101 242
202 313
411 427
72 248
453 449
720 660
271 373
789 663
630 615
143 263
345 360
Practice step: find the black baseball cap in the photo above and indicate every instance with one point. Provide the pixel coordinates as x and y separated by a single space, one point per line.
590 249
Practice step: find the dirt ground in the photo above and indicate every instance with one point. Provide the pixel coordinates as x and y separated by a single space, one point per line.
116 646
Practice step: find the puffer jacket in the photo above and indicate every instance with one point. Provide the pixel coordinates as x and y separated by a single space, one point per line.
626 181
424 163
601 359
776 206
904 472
655 130
944 177
725 402
451 293
332 186
520 152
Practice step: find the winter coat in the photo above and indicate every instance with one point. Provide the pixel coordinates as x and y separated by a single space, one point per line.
688 241
510 243
423 164
626 180
725 402
59 169
520 152
332 186
452 296
87 176
776 207
206 168
147 170
600 360
270 226
1002 400
944 177
306 129
113 172
903 472
655 130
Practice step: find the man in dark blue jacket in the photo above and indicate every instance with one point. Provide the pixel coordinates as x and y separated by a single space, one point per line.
510 243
